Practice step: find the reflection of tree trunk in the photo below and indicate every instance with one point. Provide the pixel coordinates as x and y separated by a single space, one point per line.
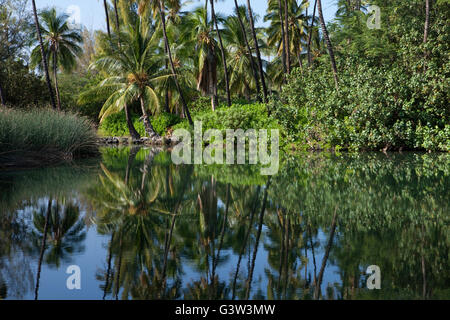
252 214
44 57
258 235
2 98
131 157
108 270
325 257
119 264
41 255
310 34
222 233
424 275
252 60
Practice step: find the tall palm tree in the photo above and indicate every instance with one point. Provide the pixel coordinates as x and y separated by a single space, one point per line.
61 45
160 4
44 57
310 34
286 25
199 30
258 52
222 51
108 27
244 35
132 71
328 42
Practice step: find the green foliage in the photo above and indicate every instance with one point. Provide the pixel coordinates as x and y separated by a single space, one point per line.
28 136
116 125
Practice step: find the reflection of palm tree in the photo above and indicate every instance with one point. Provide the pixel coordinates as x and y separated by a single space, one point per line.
62 230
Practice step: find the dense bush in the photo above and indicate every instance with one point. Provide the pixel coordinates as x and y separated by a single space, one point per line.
29 138
116 124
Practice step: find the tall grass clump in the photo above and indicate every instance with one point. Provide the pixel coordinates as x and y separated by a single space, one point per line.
42 137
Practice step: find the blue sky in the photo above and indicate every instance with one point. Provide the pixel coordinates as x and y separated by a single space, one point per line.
93 17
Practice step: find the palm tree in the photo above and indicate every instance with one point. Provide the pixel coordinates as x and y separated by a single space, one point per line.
172 65
286 25
61 45
244 35
200 31
310 34
108 27
241 60
258 52
222 50
44 58
328 42
132 71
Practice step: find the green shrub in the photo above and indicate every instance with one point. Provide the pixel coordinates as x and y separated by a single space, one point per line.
42 136
116 124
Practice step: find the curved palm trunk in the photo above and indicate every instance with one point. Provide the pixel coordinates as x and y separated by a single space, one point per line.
222 51
258 53
55 75
286 25
329 45
252 61
116 12
133 133
310 34
169 54
44 58
283 37
147 123
108 27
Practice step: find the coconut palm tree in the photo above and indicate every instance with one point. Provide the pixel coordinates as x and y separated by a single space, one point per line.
43 56
258 52
328 42
244 36
199 30
108 27
133 71
61 45
222 51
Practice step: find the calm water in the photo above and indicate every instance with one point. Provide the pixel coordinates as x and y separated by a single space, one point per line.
141 228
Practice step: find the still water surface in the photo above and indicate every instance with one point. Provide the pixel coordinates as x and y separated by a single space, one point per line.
140 227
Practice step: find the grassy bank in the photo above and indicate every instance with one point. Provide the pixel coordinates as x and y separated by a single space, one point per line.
43 137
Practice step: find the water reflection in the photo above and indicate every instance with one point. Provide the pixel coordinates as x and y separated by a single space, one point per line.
225 232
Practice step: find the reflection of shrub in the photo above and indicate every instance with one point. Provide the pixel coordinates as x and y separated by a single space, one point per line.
116 124
43 136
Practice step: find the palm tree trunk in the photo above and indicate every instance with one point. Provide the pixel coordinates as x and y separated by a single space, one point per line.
108 28
283 36
310 34
116 12
133 133
286 25
44 58
169 54
147 123
55 75
258 53
252 61
329 45
222 51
